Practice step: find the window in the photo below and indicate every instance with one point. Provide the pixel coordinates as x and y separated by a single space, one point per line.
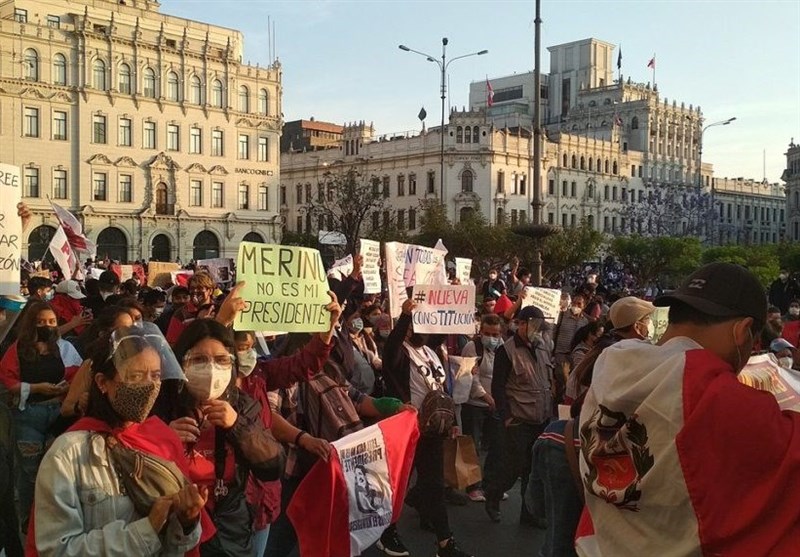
216 195
583 163
635 123
614 193
149 83
244 146
475 134
467 136
591 164
299 224
59 69
564 189
466 181
195 141
244 99
320 193
283 195
125 139
59 184
31 182
99 73
385 188
574 189
412 184
605 193
513 217
54 21
217 144
573 220
500 216
551 218
60 125
244 197
125 188
99 128
31 116
412 219
522 183
633 170
401 219
614 168
217 96
263 102
551 187
173 87
564 220
20 15
173 137
431 181
401 185
308 193
172 43
149 135
100 186
263 198
125 79
459 134
501 177
196 90
564 162
196 193
574 161
31 65
299 194
263 149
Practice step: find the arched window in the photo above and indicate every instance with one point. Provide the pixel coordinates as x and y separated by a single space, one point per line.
112 243
467 134
574 161
149 83
614 168
606 166
475 134
565 161
466 181
253 237
263 102
583 163
31 64
500 217
244 99
59 69
598 165
590 221
173 87
459 134
99 75
163 206
39 242
635 123
217 94
205 246
160 248
591 163
125 79
196 90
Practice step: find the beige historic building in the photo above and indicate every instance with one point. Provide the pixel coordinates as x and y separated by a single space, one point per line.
149 127
792 178
750 212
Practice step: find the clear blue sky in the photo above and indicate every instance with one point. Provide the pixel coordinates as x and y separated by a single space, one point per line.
341 62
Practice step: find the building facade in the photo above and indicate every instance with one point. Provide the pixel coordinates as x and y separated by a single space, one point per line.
147 126
750 212
792 178
310 135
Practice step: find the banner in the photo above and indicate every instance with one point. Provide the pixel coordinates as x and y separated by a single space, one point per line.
341 268
370 250
463 270
762 372
444 309
10 229
286 289
546 299
181 277
461 372
220 269
158 273
395 257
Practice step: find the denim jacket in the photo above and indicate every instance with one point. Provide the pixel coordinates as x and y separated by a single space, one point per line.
80 509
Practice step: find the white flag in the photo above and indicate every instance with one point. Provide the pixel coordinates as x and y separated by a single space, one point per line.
62 253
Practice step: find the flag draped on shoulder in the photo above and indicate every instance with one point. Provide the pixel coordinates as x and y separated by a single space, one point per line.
367 474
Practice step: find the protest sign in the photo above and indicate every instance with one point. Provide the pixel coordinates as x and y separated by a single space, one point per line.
341 268
424 265
762 372
546 299
463 270
444 309
395 257
660 319
286 289
220 269
461 372
370 250
158 273
10 229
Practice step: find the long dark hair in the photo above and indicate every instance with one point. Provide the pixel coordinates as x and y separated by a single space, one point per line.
26 341
97 334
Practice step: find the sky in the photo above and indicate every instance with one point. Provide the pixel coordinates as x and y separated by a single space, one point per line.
340 60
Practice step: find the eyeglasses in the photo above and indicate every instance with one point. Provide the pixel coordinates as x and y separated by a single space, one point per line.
222 360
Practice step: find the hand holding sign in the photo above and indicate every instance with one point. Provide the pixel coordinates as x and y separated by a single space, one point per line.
24 213
358 262
409 306
336 311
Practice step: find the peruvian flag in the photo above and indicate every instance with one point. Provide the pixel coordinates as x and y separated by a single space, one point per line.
652 63
63 254
74 231
367 474
489 93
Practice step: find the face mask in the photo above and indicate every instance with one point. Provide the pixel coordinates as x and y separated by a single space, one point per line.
575 310
207 381
46 334
794 311
49 296
357 325
490 343
786 362
417 340
512 327
534 336
134 401
157 312
374 320
247 361
384 333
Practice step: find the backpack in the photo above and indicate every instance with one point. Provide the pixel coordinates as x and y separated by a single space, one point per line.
437 414
328 412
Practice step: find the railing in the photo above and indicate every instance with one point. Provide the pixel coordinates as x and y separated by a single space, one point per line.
165 208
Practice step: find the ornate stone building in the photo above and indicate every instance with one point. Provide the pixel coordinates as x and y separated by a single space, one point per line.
792 178
149 127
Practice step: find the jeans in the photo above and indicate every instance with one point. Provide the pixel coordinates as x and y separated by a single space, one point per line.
32 436
429 462
482 425
282 537
260 539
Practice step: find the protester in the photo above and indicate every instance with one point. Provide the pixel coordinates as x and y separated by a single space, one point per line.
783 290
154 302
201 304
494 286
179 297
568 323
68 308
108 285
585 339
40 289
783 351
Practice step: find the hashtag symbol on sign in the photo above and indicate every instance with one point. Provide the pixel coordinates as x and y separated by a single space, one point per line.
419 297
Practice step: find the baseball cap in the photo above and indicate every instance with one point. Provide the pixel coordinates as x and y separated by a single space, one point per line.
109 278
529 312
721 290
71 288
780 344
627 311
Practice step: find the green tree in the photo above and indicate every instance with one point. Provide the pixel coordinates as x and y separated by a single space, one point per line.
763 261
664 258
571 247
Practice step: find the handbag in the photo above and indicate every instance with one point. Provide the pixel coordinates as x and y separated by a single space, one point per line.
461 465
144 477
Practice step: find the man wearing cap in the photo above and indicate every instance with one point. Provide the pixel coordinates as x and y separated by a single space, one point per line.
783 351
521 381
677 456
68 308
108 284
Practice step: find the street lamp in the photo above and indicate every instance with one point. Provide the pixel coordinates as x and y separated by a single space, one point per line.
443 69
700 169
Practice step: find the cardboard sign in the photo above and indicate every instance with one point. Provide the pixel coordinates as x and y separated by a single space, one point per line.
395 257
370 250
10 229
660 320
424 265
546 299
220 269
341 268
286 289
444 309
463 270
158 273
461 372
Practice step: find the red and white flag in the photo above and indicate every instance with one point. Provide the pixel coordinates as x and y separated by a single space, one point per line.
63 254
367 474
652 63
489 93
74 231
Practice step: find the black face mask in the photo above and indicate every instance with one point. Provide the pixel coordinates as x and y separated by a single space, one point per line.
46 334
418 340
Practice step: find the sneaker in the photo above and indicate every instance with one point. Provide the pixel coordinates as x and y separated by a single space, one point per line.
476 496
451 550
453 497
391 544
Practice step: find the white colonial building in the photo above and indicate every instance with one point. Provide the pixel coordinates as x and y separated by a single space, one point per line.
149 127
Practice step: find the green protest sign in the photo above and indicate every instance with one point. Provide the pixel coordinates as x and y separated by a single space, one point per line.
286 289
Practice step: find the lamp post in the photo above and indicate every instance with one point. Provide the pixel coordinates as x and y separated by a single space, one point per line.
443 89
700 170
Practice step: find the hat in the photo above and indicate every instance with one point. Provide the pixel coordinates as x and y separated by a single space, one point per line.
721 290
627 311
108 278
779 345
71 288
529 312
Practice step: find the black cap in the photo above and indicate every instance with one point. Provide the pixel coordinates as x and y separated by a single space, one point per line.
721 290
109 278
529 312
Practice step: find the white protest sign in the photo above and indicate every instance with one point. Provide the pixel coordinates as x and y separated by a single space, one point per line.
463 269
220 268
424 265
442 266
341 268
461 371
660 320
444 309
395 257
10 229
370 250
546 299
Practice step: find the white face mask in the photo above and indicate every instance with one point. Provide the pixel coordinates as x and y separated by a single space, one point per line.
576 310
794 311
157 312
247 361
207 381
786 362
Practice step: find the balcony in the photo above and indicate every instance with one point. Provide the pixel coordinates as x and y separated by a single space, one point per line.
165 208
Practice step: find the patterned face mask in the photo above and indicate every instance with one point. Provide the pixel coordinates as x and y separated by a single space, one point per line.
135 400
